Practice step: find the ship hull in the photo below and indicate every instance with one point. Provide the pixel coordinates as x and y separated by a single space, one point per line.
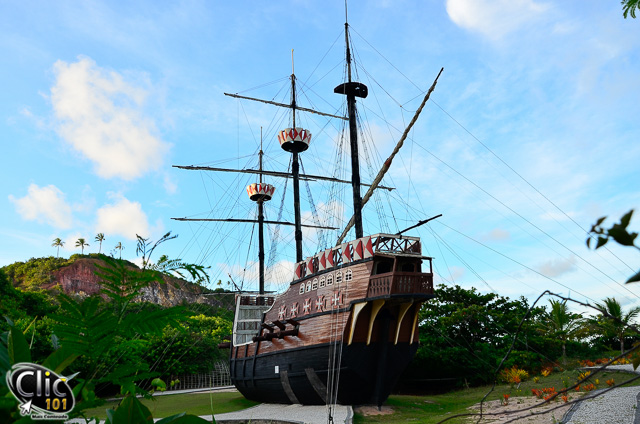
339 334
367 374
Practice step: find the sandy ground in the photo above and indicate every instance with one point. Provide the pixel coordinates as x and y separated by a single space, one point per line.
543 414
504 413
373 410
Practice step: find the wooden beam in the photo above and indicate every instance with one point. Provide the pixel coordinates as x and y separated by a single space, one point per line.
237 96
304 177
357 308
403 310
377 305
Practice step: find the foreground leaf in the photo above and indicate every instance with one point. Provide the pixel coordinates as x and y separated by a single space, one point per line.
130 411
635 278
183 418
18 347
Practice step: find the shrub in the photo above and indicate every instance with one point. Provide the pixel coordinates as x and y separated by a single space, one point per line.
513 375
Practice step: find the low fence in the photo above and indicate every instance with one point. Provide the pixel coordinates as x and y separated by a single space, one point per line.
217 377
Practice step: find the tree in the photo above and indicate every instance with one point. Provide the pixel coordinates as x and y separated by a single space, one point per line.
613 321
629 8
81 243
57 243
119 247
464 334
562 324
100 238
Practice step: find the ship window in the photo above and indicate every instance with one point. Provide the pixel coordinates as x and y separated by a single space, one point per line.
321 282
348 276
408 267
314 285
309 286
383 266
330 280
301 289
338 277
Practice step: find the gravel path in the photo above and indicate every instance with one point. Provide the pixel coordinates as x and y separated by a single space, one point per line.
618 406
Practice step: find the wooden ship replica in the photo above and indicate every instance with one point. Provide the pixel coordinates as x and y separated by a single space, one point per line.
347 326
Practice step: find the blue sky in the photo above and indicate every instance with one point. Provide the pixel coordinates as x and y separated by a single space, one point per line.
101 98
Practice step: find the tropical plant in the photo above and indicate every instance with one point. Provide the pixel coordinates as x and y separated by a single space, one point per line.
612 321
119 247
629 8
104 341
169 266
100 238
81 243
57 242
561 324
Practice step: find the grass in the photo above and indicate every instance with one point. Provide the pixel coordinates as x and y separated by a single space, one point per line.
417 409
433 409
192 403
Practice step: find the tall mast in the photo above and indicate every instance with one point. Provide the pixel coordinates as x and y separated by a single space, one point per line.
295 140
352 90
260 193
295 170
261 224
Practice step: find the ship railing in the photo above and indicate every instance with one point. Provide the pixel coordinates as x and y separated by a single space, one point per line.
392 243
400 283
360 249
256 300
250 309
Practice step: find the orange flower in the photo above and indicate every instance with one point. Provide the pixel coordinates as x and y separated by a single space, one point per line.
505 399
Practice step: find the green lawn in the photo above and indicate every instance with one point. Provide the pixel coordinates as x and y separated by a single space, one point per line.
418 409
192 403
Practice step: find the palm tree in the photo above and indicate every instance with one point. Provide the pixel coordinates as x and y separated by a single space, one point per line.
100 238
119 247
562 324
614 321
57 242
629 8
81 243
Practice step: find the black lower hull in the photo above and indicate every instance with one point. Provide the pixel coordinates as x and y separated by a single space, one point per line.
367 374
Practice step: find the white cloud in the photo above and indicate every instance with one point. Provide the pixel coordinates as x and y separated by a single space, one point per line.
557 267
170 185
493 18
44 204
100 116
122 217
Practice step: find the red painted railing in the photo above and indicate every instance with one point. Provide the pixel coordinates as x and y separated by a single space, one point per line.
400 283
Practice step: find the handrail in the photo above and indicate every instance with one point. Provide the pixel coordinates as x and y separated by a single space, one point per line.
398 282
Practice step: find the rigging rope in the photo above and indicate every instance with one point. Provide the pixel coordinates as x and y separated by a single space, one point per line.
314 212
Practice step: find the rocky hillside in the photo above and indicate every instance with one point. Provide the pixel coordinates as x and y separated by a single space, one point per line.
77 277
